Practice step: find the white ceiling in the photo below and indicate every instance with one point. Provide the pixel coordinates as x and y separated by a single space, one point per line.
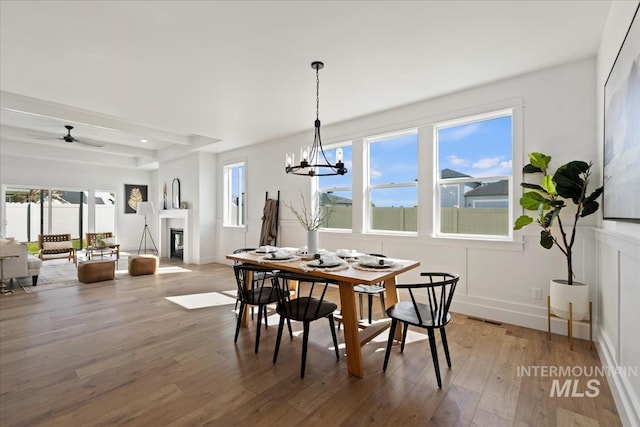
214 75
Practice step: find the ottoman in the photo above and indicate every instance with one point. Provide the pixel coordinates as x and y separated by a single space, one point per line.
143 264
96 270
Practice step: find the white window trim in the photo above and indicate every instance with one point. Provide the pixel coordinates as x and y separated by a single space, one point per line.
516 164
316 189
227 196
368 186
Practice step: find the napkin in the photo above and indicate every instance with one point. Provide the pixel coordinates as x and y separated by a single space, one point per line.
267 249
329 260
279 255
346 253
370 260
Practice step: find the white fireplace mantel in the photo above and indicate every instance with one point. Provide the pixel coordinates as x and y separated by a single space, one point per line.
173 218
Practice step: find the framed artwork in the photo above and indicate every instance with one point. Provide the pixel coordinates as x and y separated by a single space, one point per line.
621 168
132 195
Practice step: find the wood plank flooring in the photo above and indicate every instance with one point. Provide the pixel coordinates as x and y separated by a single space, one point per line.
118 353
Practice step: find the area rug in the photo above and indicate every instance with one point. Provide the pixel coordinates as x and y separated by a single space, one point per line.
58 274
209 299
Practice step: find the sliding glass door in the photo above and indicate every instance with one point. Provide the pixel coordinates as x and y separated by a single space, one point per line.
30 212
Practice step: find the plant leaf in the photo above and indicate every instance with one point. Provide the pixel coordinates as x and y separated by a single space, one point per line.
539 160
568 182
546 240
588 208
549 217
548 185
532 201
593 196
532 186
522 221
531 169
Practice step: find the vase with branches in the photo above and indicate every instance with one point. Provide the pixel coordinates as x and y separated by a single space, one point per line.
311 217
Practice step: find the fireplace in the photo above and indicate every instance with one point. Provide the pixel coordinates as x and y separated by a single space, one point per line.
177 243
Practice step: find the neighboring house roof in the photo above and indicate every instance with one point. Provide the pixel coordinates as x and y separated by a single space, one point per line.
498 188
332 199
449 173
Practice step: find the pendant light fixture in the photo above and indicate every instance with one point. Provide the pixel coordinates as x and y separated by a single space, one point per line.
313 160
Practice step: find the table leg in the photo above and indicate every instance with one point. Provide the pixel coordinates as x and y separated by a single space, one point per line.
391 295
351 336
248 280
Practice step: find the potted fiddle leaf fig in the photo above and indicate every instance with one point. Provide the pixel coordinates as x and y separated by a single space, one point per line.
566 188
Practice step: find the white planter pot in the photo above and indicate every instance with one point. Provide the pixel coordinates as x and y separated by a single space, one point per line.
312 242
562 294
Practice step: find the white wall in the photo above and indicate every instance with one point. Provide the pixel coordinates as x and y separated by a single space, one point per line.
496 278
38 173
618 249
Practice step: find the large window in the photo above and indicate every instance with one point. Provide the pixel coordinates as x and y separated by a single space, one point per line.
474 174
334 192
234 195
30 212
393 179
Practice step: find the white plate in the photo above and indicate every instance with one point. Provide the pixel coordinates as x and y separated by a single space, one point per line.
385 264
278 257
353 255
316 264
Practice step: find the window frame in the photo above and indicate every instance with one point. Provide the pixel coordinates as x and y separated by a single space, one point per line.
318 189
227 194
369 187
516 142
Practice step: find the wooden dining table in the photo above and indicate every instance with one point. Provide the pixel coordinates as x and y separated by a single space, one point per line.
346 279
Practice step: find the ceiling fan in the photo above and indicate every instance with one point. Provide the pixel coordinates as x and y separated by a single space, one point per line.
70 138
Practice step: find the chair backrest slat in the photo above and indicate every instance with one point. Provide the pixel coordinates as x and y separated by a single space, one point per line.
439 289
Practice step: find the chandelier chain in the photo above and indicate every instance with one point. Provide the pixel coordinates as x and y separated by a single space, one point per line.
317 94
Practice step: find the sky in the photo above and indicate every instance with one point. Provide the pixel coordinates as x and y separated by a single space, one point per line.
478 149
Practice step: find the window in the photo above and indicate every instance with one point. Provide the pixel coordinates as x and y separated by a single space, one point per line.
474 175
393 178
334 192
31 211
234 195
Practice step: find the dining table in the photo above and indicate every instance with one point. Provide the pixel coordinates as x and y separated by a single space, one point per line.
356 334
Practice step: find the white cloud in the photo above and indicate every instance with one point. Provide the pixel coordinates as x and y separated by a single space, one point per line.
486 163
461 132
505 165
455 160
375 173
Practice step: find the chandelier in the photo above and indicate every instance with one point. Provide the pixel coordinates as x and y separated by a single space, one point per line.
313 160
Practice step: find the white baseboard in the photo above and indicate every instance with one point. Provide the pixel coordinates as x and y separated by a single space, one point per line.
628 410
533 317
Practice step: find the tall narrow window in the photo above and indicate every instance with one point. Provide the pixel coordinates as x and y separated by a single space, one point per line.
474 175
393 179
234 195
334 192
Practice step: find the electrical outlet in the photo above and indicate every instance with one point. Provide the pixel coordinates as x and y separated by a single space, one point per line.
536 293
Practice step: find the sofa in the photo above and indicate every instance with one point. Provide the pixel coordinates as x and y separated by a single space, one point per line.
24 265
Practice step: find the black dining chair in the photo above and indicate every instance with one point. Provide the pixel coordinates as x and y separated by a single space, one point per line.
370 291
430 315
239 251
259 292
309 305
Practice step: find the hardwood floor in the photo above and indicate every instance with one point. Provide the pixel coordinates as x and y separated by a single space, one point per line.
118 353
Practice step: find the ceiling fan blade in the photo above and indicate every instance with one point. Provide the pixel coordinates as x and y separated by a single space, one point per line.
46 137
90 143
